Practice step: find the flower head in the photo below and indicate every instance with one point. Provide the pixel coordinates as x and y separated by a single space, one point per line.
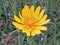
31 21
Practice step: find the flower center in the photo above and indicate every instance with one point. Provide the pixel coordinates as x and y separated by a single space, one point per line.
30 23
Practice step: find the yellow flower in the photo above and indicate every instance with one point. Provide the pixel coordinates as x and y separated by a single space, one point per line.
31 21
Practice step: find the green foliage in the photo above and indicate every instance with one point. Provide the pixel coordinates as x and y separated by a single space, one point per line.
10 7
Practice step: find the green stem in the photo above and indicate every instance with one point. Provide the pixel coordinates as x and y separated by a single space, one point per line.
29 41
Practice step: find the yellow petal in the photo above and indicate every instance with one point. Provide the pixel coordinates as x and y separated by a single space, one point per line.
44 28
38 31
41 14
17 25
21 16
24 30
26 12
28 32
18 19
32 10
42 20
34 32
47 21
37 11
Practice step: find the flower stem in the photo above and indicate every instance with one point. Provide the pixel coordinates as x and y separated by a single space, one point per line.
29 41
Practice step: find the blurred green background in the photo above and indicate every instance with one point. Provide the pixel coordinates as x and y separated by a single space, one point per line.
10 7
